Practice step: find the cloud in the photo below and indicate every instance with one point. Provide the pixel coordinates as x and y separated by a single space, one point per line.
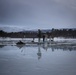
45 13
12 10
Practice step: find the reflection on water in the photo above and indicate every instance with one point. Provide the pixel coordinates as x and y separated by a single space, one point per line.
44 46
39 52
1 46
41 59
20 46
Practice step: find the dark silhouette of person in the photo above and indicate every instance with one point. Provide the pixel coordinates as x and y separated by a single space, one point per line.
43 38
39 34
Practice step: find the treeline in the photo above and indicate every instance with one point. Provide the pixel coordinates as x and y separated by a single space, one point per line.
67 33
18 34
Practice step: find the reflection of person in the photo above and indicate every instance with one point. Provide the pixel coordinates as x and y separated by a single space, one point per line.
52 49
45 46
39 52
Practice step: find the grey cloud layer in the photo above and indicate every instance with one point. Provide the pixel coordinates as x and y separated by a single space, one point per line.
45 13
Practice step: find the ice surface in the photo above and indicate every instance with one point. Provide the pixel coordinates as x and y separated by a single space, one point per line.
37 60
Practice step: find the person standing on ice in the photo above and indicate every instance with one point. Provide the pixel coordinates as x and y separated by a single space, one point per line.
43 38
39 35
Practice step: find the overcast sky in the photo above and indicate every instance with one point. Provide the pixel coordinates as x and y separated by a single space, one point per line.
38 13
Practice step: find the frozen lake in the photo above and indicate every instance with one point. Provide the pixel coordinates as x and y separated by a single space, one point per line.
37 60
13 41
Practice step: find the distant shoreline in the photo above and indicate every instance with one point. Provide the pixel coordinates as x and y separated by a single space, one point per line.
52 33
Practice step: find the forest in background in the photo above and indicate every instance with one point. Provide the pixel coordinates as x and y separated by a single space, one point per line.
66 33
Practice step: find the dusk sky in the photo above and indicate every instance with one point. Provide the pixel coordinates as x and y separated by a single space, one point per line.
38 13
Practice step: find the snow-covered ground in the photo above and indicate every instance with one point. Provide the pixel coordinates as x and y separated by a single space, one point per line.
13 41
36 39
65 39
